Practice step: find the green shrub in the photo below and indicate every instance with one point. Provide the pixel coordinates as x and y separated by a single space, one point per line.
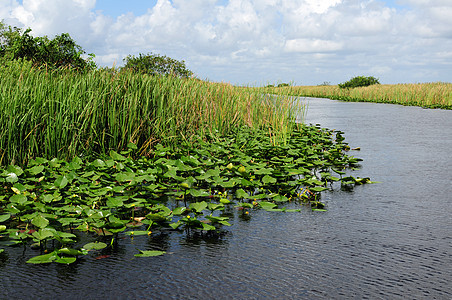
155 64
359 81
283 85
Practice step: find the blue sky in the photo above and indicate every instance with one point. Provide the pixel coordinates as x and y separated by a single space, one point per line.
256 42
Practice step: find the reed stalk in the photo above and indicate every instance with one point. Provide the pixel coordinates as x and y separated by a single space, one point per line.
65 113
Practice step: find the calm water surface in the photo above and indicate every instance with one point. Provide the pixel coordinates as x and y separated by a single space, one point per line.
390 240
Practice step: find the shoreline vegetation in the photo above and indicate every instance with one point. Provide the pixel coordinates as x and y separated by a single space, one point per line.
144 148
63 113
120 154
427 95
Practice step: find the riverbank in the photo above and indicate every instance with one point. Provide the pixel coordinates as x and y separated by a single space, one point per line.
428 95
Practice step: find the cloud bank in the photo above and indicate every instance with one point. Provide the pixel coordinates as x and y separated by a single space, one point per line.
262 41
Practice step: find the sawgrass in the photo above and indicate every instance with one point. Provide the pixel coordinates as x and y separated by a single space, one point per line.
66 113
433 95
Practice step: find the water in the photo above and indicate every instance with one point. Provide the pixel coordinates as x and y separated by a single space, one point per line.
390 240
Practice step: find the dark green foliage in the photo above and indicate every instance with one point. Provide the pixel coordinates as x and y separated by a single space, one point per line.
155 64
61 51
283 84
359 81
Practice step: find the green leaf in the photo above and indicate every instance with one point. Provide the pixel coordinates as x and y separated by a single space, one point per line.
179 210
318 189
43 259
149 253
95 246
267 205
115 202
98 163
137 232
116 156
65 260
125 176
3 218
40 221
42 234
19 188
15 169
244 205
268 179
11 178
19 199
215 206
2 228
199 193
69 251
280 198
198 206
207 226
132 146
61 182
36 170
240 193
175 225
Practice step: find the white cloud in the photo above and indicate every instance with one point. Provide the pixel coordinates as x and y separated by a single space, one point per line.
312 45
308 41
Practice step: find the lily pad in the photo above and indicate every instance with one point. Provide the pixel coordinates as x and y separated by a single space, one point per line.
149 253
95 246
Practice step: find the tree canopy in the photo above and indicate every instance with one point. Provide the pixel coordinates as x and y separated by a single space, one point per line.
61 51
155 64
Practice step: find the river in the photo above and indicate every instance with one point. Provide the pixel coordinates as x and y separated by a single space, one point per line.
390 240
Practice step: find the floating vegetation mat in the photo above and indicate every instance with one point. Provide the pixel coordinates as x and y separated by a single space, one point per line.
49 203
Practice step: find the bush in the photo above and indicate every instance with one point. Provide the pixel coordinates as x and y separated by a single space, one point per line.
283 84
359 81
154 64
61 51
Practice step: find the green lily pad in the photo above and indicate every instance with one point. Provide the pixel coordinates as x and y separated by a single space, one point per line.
137 232
65 260
35 170
268 179
43 259
3 218
149 253
198 206
95 246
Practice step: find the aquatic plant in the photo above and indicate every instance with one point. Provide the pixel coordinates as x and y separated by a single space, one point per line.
65 114
187 188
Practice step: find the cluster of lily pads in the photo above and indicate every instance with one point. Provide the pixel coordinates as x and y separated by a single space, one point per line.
48 202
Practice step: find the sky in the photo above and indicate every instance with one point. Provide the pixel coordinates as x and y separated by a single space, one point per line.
258 42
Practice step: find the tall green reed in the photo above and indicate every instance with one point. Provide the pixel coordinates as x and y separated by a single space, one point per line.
66 113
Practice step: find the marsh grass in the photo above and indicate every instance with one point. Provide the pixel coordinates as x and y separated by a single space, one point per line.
434 95
65 113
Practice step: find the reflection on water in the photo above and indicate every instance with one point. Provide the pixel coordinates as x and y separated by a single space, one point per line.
390 240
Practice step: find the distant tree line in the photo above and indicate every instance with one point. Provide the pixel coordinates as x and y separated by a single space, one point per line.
63 52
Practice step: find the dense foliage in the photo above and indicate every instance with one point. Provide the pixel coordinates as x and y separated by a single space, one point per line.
61 113
61 51
155 64
359 81
194 188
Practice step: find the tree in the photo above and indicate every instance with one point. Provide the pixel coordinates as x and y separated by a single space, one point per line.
359 81
155 64
61 51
